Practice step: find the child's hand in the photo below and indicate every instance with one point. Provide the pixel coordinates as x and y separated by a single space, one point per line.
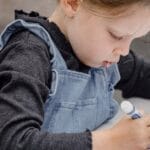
128 134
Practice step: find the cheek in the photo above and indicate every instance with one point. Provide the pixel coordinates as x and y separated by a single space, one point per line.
100 41
90 47
89 43
102 47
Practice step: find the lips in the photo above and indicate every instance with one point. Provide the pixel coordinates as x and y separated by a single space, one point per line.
106 64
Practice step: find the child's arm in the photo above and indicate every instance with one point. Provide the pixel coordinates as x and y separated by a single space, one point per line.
23 90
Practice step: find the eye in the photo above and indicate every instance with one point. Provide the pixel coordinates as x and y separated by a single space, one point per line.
115 37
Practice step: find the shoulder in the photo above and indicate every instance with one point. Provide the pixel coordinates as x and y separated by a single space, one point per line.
26 42
26 53
25 37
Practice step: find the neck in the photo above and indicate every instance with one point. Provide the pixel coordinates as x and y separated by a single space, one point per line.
59 18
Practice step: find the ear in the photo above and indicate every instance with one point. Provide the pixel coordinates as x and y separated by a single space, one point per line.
70 7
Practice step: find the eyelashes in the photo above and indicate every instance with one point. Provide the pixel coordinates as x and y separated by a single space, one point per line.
115 37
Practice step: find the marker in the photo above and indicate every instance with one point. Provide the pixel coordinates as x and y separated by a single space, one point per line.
130 110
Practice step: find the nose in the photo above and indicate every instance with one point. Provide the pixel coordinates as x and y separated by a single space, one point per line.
122 50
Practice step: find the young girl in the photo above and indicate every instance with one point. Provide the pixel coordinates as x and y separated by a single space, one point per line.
58 75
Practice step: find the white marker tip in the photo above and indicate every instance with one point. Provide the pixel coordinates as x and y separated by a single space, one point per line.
127 107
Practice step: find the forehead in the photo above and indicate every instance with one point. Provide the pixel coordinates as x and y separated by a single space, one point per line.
130 20
133 20
136 22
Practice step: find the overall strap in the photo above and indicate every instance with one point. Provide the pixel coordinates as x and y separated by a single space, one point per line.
35 28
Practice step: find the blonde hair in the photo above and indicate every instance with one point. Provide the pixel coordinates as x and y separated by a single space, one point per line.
117 3
113 7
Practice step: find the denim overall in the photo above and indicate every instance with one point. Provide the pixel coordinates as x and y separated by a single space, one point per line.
76 101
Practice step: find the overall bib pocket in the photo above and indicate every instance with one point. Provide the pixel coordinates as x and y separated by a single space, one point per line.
72 117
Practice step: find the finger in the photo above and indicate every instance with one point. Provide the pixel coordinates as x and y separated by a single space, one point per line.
146 119
142 112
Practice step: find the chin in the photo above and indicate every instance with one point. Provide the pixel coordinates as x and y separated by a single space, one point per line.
95 65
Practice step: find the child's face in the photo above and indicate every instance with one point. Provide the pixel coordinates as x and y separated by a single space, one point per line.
100 41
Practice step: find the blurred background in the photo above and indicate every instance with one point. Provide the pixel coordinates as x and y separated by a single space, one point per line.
7 7
46 7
